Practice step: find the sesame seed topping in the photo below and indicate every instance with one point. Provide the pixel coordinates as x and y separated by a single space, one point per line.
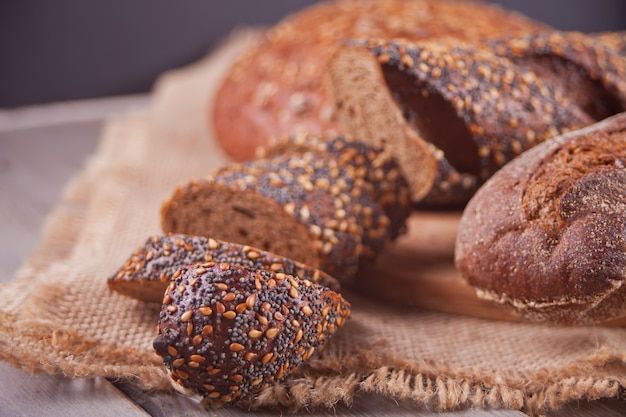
236 347
255 334
186 316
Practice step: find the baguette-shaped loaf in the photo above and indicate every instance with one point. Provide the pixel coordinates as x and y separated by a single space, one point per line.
279 85
227 332
453 113
545 235
331 207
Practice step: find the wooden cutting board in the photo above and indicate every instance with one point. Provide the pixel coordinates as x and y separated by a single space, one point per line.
418 270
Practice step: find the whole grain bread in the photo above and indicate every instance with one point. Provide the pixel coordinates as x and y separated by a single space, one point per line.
454 113
331 207
544 236
147 272
279 85
227 332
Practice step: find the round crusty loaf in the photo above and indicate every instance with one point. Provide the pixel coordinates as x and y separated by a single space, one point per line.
147 272
453 113
545 235
331 207
279 85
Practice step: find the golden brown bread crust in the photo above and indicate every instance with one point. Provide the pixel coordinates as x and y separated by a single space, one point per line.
454 113
279 85
545 235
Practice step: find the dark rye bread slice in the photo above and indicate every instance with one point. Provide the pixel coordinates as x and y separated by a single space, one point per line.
226 332
320 208
147 272
544 237
453 113
280 85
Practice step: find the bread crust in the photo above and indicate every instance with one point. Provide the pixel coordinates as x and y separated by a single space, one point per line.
545 235
279 85
227 332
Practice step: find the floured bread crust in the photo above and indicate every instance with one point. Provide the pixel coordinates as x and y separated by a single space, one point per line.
545 235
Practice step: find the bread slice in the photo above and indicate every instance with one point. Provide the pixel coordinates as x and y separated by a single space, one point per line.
331 208
146 274
544 236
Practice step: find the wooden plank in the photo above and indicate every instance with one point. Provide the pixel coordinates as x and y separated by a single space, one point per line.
161 405
35 165
23 394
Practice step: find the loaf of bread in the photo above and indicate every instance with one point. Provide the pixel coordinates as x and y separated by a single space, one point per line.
227 332
148 271
331 206
544 236
453 113
279 85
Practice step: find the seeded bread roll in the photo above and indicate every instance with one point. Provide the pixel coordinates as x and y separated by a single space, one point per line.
326 208
147 272
453 113
279 85
227 332
544 237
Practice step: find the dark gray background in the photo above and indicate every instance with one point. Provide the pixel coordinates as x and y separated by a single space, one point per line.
54 50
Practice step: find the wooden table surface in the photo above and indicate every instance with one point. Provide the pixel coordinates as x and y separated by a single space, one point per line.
41 148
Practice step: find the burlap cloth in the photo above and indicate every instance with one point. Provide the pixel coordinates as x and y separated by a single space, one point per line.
58 316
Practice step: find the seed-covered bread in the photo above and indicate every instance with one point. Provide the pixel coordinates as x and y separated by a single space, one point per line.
326 207
227 332
279 85
454 113
147 272
544 236
588 69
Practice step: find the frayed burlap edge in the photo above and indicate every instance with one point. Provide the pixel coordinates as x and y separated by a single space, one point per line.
35 347
323 383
